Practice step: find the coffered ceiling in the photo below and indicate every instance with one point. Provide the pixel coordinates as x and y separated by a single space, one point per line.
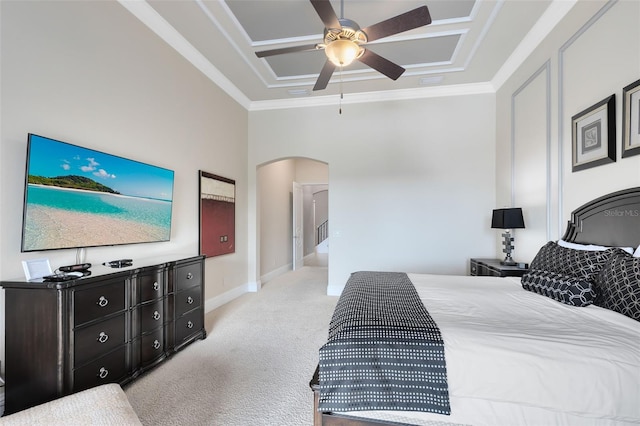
466 44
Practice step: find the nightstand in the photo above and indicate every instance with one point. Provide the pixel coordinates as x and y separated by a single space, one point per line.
492 267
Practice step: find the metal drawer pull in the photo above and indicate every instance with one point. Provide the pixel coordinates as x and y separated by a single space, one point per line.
156 344
102 302
103 373
103 337
156 315
189 275
190 300
156 286
189 324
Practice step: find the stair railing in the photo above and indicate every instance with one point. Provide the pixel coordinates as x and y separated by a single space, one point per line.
322 232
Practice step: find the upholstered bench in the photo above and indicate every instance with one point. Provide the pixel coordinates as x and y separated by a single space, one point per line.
102 405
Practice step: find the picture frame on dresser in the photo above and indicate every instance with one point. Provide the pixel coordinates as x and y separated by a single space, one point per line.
593 135
631 119
36 268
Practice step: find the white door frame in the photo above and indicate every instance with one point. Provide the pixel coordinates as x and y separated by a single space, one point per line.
298 228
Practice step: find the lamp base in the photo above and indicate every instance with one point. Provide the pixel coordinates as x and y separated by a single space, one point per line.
508 247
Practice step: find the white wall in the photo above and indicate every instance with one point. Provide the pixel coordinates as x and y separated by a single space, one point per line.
275 186
594 52
91 74
422 172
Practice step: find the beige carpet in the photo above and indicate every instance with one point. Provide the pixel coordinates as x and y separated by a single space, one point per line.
255 364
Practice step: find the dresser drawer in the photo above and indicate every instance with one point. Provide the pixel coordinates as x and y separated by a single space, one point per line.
98 339
188 325
188 276
151 286
188 300
110 368
151 315
99 301
152 346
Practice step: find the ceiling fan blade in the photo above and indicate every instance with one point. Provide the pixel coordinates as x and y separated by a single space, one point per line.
286 50
407 21
325 76
326 13
382 65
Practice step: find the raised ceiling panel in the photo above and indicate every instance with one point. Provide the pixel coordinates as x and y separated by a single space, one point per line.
297 64
450 9
264 20
467 41
420 52
414 53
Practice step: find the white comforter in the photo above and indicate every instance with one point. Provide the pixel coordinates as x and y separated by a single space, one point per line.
518 358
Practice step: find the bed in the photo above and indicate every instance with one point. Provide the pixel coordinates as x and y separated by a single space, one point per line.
560 346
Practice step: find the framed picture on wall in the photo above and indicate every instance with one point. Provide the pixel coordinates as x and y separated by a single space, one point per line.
217 215
593 135
631 119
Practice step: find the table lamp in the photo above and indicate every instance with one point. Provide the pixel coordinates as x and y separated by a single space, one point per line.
507 219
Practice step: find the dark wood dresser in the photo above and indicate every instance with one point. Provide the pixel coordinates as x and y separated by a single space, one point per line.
492 267
111 326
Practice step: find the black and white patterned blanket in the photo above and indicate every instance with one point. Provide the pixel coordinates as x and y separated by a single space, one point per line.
384 350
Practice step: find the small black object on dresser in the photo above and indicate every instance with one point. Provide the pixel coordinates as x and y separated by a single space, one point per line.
64 337
75 268
492 267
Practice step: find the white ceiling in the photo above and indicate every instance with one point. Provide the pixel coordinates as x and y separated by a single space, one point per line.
467 43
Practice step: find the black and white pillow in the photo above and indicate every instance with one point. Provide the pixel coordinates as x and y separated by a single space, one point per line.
582 264
618 285
563 288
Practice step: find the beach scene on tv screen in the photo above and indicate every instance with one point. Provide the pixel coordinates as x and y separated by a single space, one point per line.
78 197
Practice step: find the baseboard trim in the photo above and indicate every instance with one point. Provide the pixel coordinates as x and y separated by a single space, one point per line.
276 273
254 286
224 298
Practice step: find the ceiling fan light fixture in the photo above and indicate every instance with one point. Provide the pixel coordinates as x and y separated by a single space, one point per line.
344 40
343 52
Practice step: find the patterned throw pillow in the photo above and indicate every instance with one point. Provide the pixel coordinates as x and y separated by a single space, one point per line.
563 288
582 264
618 285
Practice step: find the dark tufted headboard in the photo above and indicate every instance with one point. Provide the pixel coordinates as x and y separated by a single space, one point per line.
611 220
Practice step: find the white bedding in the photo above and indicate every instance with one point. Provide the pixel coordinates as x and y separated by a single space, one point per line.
519 358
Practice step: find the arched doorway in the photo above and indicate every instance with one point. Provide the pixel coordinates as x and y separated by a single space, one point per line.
275 213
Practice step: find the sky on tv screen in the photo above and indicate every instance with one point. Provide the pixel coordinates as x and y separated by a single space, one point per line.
52 158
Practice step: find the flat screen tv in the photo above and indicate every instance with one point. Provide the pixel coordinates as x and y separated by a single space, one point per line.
77 197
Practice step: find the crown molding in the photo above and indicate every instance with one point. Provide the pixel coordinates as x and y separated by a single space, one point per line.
368 97
541 29
156 23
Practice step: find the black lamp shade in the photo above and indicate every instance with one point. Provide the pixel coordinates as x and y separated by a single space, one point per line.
507 218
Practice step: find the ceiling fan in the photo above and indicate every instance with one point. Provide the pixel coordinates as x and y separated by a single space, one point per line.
344 40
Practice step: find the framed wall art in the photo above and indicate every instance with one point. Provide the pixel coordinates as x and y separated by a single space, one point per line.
217 215
631 119
593 135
